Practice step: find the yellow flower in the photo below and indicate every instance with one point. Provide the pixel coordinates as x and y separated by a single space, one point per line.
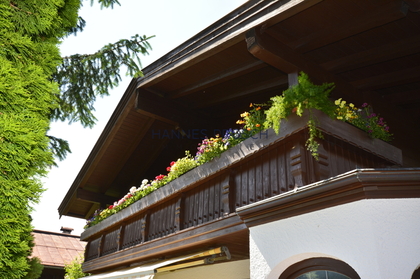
245 114
337 102
339 117
351 105
250 105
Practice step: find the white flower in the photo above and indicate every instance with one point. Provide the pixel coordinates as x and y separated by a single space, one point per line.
144 182
133 190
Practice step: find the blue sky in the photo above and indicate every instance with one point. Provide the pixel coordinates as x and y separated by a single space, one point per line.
172 22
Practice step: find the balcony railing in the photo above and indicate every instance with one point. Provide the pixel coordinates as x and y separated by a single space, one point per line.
258 168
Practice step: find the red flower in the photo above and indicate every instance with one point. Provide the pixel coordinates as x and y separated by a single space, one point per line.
111 206
160 177
168 169
294 110
172 163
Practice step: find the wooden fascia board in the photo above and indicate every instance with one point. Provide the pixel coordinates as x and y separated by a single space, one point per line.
224 33
123 108
348 187
156 248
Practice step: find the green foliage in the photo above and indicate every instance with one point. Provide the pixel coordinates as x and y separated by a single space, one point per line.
303 96
74 269
83 77
35 270
181 166
30 32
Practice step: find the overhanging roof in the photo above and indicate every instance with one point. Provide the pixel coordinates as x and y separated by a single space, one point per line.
370 49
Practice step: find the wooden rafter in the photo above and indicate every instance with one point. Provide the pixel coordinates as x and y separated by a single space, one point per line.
281 56
94 197
385 13
223 76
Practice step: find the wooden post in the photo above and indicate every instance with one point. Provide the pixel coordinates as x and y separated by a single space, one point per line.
293 78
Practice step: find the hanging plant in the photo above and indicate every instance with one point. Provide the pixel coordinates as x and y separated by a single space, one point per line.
303 96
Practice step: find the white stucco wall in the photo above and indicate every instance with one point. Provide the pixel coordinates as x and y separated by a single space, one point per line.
379 238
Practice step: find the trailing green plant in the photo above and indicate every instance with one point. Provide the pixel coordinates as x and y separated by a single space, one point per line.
303 96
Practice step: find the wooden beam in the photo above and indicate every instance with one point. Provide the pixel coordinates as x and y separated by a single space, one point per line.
241 92
223 76
167 110
262 48
375 55
402 98
384 14
94 197
275 53
388 79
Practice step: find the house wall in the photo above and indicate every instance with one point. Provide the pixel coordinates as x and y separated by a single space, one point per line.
378 238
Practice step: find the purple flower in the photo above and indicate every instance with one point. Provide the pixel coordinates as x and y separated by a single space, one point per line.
364 105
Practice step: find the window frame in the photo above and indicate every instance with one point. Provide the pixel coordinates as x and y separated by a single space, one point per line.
313 264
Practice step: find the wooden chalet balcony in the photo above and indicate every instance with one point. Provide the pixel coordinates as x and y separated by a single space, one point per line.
198 209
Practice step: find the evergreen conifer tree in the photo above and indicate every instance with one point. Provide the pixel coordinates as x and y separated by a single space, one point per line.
37 86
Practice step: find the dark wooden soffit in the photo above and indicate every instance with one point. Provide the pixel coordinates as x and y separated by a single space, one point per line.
349 187
93 159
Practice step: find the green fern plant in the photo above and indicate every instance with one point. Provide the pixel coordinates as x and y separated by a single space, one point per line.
297 98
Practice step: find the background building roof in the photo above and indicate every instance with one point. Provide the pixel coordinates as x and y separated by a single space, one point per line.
56 249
